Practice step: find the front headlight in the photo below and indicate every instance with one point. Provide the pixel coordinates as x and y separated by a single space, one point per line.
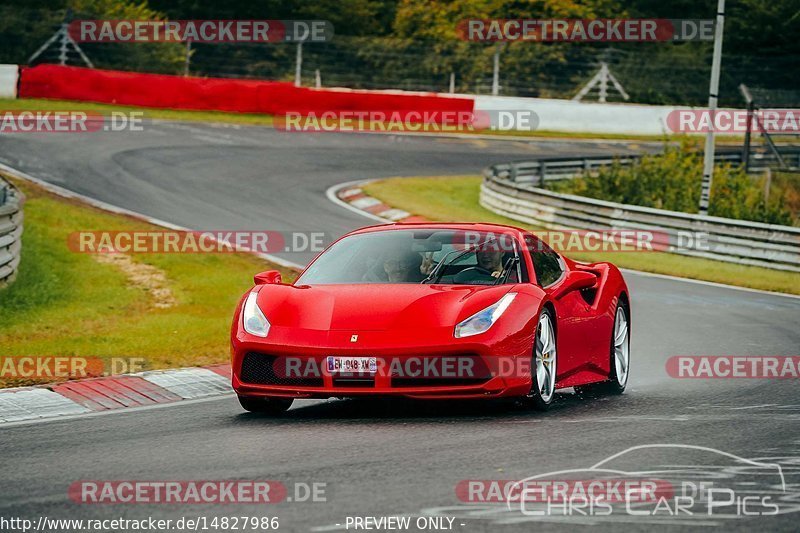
483 320
254 321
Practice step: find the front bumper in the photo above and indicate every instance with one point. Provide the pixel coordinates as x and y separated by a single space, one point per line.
457 370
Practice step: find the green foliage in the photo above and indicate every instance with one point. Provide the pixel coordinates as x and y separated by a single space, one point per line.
24 28
673 180
167 58
534 65
413 44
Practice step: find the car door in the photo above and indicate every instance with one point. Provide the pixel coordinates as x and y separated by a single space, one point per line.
576 320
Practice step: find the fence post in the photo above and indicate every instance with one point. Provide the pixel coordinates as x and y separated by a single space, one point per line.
496 70
713 94
298 66
188 61
750 109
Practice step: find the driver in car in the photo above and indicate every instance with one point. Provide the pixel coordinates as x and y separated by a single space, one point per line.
488 270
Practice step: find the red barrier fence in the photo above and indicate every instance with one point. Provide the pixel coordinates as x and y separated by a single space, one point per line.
218 94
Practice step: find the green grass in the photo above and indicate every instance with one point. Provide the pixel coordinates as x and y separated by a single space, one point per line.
455 198
68 304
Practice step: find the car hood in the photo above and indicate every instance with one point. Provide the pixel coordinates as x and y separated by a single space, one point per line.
374 307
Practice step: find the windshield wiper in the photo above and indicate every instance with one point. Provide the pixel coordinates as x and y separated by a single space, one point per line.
438 267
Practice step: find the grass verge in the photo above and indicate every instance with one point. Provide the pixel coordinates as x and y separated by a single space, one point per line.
455 198
70 304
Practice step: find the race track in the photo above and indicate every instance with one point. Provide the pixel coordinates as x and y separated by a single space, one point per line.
381 457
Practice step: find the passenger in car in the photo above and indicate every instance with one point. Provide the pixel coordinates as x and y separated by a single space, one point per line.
398 266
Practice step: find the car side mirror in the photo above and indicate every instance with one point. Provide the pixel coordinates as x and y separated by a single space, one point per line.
267 277
575 280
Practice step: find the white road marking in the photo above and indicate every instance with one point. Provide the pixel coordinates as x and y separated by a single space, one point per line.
754 406
66 193
709 283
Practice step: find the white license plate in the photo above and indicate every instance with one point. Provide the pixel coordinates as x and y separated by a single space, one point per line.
352 365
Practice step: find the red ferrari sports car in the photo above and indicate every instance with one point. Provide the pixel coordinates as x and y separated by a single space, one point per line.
433 311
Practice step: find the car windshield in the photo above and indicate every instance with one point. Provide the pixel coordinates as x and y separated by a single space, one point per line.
453 257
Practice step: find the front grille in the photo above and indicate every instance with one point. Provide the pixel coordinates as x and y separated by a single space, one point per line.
260 369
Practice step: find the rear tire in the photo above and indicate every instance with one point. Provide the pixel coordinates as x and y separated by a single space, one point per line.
267 406
620 359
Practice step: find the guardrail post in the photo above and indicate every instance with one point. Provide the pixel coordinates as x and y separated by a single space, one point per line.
542 173
512 172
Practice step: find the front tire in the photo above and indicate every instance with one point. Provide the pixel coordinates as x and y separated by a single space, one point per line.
543 367
267 406
620 358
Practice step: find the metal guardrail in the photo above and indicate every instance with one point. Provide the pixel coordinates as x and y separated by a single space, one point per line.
11 201
735 241
552 169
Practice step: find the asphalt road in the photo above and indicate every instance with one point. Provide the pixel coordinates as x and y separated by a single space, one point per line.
228 177
398 458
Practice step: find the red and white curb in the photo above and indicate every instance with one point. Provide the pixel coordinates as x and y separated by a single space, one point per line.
111 393
351 196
